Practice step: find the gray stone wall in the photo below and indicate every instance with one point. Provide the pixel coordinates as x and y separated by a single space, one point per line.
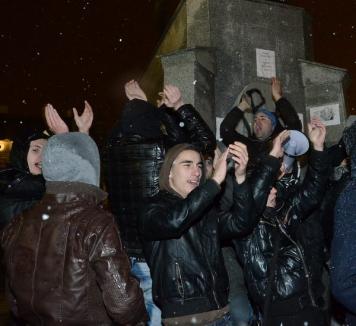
222 38
238 28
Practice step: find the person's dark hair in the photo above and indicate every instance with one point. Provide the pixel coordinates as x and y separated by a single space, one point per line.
171 155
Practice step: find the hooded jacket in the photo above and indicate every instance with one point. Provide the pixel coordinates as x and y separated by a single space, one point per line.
64 259
136 152
182 243
19 189
343 250
298 264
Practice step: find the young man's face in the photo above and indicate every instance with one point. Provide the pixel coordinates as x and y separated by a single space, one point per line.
34 156
262 126
186 172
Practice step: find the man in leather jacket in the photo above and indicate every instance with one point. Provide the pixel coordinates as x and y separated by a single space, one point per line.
279 265
65 263
182 227
136 151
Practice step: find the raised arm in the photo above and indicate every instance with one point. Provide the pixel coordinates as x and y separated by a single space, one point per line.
312 190
284 108
85 120
159 222
54 122
227 128
134 91
57 125
196 130
242 219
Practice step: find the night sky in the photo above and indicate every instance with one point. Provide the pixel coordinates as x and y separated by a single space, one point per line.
65 51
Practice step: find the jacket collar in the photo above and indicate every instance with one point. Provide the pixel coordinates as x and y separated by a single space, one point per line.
66 191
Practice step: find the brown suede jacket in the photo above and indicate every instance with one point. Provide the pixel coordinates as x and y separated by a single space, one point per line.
65 263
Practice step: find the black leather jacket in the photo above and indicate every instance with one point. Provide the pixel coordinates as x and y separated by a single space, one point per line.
135 162
298 265
182 246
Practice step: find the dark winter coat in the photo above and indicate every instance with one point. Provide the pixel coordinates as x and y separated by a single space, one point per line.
296 266
343 251
65 262
19 189
258 149
182 246
136 155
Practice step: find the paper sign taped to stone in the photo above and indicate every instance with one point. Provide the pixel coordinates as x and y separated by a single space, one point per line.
329 114
218 123
266 63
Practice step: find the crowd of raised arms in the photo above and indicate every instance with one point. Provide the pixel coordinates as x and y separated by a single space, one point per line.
195 231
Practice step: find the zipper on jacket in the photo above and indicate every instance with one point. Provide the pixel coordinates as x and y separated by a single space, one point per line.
305 267
34 275
212 276
180 284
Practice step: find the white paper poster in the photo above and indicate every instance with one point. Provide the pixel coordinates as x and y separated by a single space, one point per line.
218 123
329 114
266 63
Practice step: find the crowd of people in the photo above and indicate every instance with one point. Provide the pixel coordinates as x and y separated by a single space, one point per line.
195 231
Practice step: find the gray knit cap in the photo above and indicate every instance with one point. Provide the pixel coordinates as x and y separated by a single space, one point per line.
71 156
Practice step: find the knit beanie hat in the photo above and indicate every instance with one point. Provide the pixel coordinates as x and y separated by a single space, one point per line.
170 157
270 115
72 157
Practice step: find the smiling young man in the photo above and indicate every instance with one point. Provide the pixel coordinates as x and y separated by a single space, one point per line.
182 228
34 156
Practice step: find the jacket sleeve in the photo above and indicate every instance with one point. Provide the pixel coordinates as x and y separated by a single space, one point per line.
198 132
242 219
121 293
174 133
262 180
161 221
311 193
288 114
227 128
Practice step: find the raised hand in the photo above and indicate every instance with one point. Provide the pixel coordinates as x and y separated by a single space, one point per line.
277 149
134 91
276 89
317 133
172 97
240 156
54 121
220 167
85 120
